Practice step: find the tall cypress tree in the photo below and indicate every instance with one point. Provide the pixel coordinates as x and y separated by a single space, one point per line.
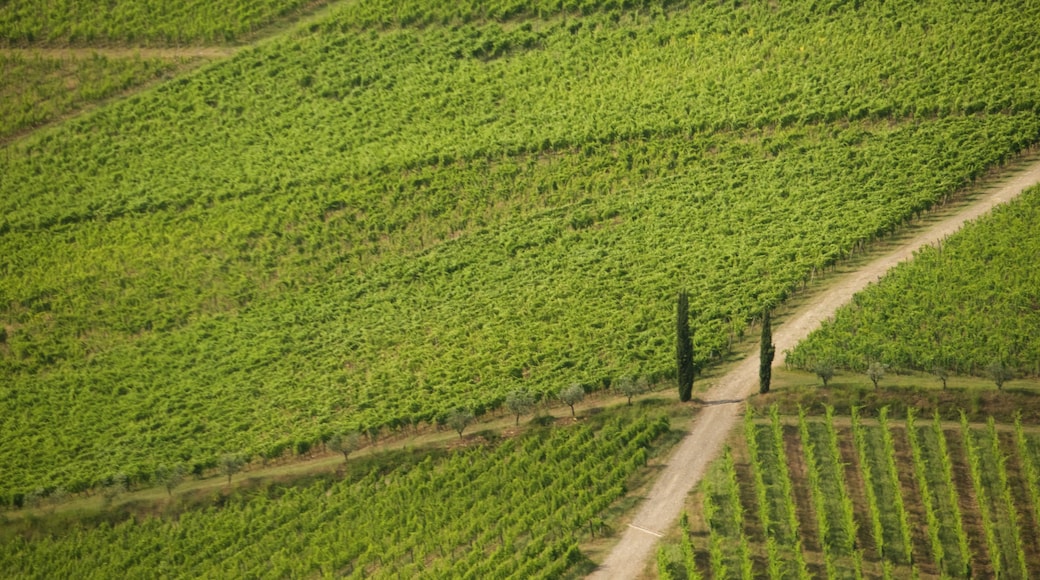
684 348
766 353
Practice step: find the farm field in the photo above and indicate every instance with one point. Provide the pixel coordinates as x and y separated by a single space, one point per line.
138 22
865 498
367 230
961 308
38 88
516 507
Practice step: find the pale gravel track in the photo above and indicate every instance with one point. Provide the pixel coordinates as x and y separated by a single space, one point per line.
659 511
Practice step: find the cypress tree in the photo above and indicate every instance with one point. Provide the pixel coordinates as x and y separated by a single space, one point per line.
766 353
684 348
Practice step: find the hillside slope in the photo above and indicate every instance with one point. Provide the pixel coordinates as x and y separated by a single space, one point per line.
362 226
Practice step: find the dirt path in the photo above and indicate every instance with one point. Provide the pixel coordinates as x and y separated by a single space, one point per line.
121 52
724 402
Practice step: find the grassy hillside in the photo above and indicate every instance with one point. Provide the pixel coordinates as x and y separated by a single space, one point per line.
973 302
374 220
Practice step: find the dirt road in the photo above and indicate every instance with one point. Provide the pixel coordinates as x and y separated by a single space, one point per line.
724 402
207 52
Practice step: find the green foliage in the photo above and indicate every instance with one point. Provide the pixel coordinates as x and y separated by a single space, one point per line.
571 396
825 370
926 497
459 419
969 307
519 402
876 372
170 476
136 21
358 228
230 464
1000 373
345 443
766 352
901 511
629 388
36 89
684 347
512 510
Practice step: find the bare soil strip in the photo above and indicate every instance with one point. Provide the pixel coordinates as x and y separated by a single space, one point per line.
121 52
661 508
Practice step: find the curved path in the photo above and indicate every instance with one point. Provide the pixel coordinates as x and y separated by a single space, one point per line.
687 464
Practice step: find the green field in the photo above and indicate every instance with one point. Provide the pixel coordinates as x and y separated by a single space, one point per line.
36 89
961 307
374 219
867 497
513 509
140 22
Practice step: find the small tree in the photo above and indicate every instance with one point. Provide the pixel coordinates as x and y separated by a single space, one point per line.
629 388
1000 373
572 395
519 402
169 477
230 464
941 372
824 370
345 443
876 372
459 419
766 352
684 348
118 484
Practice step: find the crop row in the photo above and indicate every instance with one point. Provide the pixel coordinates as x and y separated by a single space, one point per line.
152 338
515 509
367 230
36 89
961 307
136 21
868 518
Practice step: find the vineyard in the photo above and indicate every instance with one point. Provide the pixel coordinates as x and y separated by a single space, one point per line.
141 22
857 497
36 89
516 509
369 222
962 307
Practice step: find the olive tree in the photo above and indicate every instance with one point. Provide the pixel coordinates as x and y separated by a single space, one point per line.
519 402
345 443
572 395
824 370
876 372
941 372
230 464
629 388
1000 373
169 477
459 419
